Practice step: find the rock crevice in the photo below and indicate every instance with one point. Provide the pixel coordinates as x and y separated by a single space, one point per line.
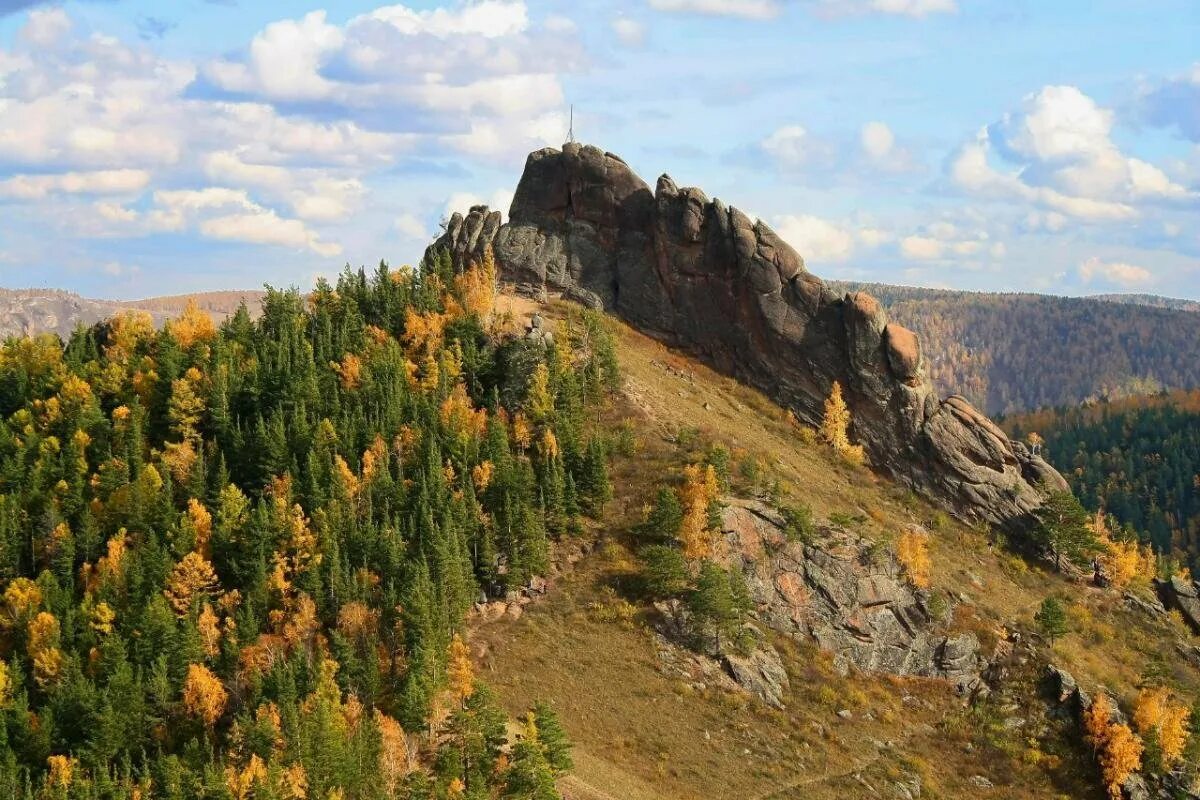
701 276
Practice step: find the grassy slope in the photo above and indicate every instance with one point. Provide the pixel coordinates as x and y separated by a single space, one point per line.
643 732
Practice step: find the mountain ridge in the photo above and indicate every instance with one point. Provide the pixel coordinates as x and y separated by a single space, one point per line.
700 275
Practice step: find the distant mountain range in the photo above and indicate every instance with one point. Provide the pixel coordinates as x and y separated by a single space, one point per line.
1015 352
25 312
1005 352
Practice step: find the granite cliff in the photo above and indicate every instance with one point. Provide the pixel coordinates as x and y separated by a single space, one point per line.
703 277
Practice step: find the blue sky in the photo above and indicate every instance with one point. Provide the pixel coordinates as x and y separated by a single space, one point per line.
151 148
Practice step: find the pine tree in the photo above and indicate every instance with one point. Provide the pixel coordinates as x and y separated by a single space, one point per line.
1063 529
1051 618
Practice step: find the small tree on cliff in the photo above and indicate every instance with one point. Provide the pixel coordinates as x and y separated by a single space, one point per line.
836 424
1063 529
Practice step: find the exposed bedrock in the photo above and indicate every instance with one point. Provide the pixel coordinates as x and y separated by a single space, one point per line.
705 278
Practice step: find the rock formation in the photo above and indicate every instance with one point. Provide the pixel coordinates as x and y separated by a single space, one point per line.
850 597
1182 595
703 277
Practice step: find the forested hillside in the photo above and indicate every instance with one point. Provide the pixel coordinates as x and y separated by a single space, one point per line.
237 561
1136 458
1016 352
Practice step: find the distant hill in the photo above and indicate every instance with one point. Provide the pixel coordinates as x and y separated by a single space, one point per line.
1014 352
25 312
1152 300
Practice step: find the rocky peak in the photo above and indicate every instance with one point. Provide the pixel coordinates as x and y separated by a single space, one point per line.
702 277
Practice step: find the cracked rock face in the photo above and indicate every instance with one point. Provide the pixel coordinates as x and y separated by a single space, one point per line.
848 596
703 277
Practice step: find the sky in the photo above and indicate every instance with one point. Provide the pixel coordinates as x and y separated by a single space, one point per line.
151 148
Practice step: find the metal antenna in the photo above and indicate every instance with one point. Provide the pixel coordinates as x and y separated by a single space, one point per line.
571 129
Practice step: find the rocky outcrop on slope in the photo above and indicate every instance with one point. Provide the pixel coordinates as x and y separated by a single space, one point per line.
704 277
849 596
1183 595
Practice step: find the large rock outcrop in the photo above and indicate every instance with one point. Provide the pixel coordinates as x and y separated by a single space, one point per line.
850 597
703 277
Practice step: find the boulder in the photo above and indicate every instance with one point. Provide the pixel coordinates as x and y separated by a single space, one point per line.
703 277
760 673
1183 595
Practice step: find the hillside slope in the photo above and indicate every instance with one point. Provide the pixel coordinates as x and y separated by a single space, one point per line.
648 722
1016 352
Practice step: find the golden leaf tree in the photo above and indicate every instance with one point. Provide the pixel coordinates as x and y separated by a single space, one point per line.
912 550
192 577
1118 749
1156 712
204 696
460 672
835 426
193 326
696 496
394 761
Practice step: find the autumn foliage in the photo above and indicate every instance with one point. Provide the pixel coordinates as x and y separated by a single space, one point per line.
1117 748
237 560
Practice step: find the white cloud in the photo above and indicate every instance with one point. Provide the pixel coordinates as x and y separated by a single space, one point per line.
488 18
914 8
448 71
410 227
921 248
630 33
114 181
944 241
218 212
461 202
792 147
264 226
1063 159
557 23
746 9
816 239
880 150
877 140
971 170
1114 272
788 145
906 8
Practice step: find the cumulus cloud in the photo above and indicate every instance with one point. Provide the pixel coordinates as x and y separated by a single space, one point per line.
462 202
1060 156
793 147
879 148
945 241
100 182
816 239
410 226
1113 272
214 212
269 144
630 33
769 9
442 70
906 8
746 9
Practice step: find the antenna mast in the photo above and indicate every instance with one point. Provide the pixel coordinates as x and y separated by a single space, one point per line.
571 129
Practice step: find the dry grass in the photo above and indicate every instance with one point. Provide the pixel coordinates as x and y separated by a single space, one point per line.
642 732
